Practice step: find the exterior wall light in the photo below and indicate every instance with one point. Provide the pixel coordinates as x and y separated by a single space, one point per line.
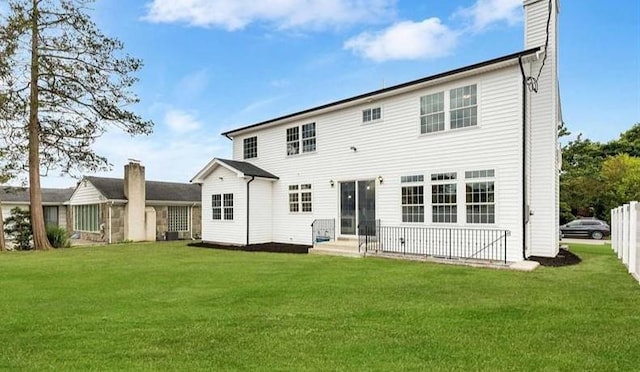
331 183
380 179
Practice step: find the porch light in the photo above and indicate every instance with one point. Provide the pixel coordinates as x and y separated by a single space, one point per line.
331 183
380 179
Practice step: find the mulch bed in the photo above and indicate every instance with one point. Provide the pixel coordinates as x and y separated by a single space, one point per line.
564 258
265 247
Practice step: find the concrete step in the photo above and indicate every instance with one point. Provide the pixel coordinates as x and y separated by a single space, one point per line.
347 248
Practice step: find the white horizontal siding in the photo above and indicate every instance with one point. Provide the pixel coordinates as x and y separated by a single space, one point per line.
392 148
260 212
223 181
86 193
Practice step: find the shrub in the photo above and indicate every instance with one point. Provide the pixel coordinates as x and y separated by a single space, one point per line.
58 237
18 228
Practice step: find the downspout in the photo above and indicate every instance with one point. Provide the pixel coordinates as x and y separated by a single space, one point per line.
110 205
191 221
248 182
525 213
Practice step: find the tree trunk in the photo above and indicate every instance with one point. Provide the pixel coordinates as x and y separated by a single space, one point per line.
40 240
2 242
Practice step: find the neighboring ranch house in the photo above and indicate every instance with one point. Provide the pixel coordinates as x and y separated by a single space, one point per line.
459 162
53 203
132 209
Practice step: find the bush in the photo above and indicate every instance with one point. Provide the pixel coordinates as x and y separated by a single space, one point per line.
58 237
18 228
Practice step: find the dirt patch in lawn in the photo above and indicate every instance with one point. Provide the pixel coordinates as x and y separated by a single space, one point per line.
564 258
265 247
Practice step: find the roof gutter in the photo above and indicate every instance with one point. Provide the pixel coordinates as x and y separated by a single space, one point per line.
525 212
248 194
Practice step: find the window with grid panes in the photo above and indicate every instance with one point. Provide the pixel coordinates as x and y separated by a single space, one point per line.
250 147
432 113
178 218
371 114
86 217
227 204
216 206
463 107
480 197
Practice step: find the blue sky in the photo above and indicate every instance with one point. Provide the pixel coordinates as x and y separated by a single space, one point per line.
214 65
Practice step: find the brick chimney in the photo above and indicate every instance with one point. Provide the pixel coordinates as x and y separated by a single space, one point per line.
134 191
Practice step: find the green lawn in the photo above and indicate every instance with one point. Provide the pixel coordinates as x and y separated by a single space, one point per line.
172 307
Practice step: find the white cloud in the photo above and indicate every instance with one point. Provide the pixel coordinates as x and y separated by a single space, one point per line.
405 40
193 84
181 121
286 14
484 13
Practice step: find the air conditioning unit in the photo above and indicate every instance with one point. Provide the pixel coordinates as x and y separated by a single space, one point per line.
171 235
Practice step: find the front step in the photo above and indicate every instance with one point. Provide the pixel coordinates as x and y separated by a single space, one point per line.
341 247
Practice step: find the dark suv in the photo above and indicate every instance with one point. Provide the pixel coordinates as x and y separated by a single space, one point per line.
586 228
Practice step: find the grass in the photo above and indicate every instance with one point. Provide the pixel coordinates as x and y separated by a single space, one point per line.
172 307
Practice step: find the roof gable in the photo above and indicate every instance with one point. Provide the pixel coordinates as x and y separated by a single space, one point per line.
241 168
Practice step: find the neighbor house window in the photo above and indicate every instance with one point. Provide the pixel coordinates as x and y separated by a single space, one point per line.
432 113
412 198
50 215
86 217
480 196
307 141
227 203
463 106
216 206
251 147
300 199
371 114
444 208
178 218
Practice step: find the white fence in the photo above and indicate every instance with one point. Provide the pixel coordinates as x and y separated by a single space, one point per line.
625 236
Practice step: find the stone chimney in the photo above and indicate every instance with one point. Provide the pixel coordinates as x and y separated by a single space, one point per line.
134 191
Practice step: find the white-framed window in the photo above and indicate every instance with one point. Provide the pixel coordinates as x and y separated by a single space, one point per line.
432 113
86 217
222 206
412 198
480 196
371 114
463 106
444 199
250 148
300 198
178 218
227 203
306 141
457 106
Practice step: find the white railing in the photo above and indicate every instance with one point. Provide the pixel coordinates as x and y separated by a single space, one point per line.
625 236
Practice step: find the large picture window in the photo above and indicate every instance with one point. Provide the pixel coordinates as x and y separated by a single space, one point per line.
50 215
178 218
306 141
86 217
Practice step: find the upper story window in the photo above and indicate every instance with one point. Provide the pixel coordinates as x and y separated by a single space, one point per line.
464 106
432 113
371 114
460 109
308 139
251 147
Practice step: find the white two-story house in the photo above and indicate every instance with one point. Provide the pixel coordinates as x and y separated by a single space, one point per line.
466 158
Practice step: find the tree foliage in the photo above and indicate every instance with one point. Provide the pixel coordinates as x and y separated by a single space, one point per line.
63 83
597 177
18 228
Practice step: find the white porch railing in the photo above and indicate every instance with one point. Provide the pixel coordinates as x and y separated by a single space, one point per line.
625 236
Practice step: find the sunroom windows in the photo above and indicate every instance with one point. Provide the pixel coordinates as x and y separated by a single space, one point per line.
457 107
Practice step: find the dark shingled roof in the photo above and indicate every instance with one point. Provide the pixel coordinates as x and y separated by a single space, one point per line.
21 194
248 169
113 188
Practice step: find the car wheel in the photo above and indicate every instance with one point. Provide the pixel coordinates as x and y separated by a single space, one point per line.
597 235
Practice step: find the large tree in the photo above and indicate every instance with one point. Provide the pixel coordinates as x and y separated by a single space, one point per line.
64 83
